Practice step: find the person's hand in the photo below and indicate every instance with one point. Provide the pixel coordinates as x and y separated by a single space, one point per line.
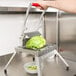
64 5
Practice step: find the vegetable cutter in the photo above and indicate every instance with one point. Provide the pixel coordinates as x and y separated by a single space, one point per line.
48 50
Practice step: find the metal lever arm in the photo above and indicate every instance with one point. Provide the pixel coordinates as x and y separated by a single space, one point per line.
26 17
38 5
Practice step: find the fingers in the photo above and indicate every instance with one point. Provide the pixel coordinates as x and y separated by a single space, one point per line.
40 8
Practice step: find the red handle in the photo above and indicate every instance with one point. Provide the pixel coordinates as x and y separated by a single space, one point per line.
35 4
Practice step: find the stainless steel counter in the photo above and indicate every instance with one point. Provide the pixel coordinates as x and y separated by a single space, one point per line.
16 68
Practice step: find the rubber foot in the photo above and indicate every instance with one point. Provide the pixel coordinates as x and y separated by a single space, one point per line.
67 68
5 71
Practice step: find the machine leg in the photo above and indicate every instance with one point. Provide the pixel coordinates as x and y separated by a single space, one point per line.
5 68
67 66
38 63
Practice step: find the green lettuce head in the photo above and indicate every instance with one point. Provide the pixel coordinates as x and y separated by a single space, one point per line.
35 42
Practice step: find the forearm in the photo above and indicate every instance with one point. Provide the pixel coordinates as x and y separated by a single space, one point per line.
63 5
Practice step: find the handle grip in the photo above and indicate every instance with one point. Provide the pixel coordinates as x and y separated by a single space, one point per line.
37 5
